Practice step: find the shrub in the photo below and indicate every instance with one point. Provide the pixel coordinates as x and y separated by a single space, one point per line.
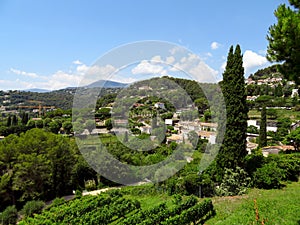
268 176
58 201
32 207
9 215
290 164
254 161
78 193
235 182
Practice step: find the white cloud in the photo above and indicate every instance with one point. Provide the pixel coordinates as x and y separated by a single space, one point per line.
145 67
208 54
193 65
23 73
215 45
223 66
82 68
170 59
156 58
252 60
77 62
80 75
176 50
15 84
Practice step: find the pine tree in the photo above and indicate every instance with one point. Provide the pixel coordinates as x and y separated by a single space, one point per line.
263 128
233 149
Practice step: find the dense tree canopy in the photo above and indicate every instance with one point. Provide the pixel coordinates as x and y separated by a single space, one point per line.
36 165
284 40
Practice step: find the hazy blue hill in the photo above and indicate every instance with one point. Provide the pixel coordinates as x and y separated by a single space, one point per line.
106 84
38 90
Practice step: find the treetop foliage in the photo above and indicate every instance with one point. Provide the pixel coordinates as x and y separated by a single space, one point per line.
284 40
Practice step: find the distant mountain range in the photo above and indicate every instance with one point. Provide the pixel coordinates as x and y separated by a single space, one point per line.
99 83
38 90
106 84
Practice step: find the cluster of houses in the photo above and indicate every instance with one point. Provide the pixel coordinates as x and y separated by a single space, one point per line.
204 130
271 81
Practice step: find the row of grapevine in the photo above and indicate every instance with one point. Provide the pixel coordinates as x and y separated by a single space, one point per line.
198 212
116 209
86 210
158 213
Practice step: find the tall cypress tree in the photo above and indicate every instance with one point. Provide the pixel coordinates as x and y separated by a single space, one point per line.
233 149
263 128
14 121
8 123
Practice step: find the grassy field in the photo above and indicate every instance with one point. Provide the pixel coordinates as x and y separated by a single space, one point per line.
273 207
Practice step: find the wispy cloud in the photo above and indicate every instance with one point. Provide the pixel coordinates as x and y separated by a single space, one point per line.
77 62
215 45
23 73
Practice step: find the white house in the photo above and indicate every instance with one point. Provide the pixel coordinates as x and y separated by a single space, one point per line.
169 122
294 93
159 105
175 138
146 129
256 124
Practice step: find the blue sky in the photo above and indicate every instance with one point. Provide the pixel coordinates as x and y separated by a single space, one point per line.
50 44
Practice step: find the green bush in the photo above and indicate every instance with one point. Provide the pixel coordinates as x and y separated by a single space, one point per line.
290 164
58 201
235 182
9 215
32 207
254 161
268 176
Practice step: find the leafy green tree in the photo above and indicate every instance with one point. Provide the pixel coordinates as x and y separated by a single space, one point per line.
283 37
67 126
54 126
278 91
39 124
103 113
35 165
32 207
9 216
283 127
108 124
30 124
46 122
202 104
233 149
294 138
268 176
252 129
263 128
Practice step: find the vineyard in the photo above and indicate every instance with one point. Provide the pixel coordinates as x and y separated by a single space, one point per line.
114 208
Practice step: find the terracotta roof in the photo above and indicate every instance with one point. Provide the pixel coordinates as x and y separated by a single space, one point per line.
279 147
206 133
